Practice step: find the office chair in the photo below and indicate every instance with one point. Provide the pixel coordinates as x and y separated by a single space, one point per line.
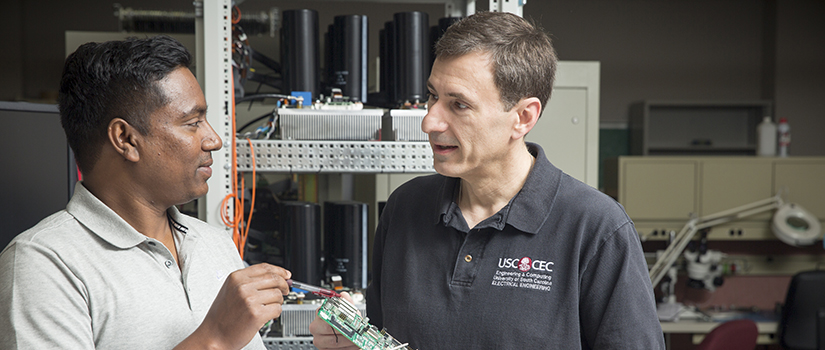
802 326
731 335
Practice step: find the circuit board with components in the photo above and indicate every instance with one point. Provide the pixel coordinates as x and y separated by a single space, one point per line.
344 318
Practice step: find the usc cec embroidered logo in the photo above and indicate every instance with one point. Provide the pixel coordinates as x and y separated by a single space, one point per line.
525 264
525 273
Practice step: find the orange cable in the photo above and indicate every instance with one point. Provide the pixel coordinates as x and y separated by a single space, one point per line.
254 189
236 19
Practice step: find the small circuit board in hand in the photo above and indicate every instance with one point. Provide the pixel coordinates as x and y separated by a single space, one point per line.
344 318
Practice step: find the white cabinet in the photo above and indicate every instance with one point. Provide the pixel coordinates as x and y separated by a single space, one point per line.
695 127
661 193
568 129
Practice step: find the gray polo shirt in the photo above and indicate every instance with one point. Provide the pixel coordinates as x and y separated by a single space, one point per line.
83 278
559 267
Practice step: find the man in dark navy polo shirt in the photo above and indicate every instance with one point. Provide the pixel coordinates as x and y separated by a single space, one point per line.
500 249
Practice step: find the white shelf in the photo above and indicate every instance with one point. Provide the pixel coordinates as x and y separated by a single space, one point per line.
335 156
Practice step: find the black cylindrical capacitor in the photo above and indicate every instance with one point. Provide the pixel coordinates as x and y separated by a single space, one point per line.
349 56
300 59
437 31
389 65
301 228
345 242
329 38
413 55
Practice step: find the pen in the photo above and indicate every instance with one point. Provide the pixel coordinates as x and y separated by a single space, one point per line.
313 289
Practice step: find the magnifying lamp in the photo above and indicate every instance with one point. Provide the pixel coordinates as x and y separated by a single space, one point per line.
791 224
795 226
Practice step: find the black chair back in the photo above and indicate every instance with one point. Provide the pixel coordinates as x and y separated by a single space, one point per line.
802 326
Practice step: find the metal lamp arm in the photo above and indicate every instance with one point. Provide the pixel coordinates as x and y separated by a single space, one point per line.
681 240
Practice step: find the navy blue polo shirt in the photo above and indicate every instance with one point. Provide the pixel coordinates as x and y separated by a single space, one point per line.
560 266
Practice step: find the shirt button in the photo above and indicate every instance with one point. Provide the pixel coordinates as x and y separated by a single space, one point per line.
468 258
168 263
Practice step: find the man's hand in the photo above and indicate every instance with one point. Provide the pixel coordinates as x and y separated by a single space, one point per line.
249 298
325 337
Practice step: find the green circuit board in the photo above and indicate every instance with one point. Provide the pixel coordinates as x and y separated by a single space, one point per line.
344 318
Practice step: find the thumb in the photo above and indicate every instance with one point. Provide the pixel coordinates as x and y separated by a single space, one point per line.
347 297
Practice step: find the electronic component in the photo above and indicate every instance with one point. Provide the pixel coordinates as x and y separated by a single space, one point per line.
345 241
300 60
312 289
300 227
347 56
344 318
403 125
338 125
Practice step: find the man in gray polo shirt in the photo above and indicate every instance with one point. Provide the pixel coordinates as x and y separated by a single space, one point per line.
120 267
502 250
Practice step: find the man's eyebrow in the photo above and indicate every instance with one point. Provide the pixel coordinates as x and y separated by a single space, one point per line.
195 111
457 95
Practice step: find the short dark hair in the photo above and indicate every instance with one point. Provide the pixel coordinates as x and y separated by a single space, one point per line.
114 79
522 54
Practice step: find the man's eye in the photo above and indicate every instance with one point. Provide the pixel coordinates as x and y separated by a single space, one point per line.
461 105
432 96
195 124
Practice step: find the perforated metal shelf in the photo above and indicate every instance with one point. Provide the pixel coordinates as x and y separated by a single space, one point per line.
336 156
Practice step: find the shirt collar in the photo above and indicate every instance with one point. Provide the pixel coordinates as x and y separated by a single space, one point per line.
108 225
527 211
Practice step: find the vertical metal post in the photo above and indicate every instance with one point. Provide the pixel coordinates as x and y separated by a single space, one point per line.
217 76
512 6
459 8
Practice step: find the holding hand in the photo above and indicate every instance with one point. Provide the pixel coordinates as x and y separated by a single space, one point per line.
248 298
325 337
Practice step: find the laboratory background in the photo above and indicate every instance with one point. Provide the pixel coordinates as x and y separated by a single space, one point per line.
703 118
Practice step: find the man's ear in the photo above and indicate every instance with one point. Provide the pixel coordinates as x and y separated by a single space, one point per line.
529 110
123 137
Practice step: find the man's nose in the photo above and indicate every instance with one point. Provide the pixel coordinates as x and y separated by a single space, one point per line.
433 121
212 142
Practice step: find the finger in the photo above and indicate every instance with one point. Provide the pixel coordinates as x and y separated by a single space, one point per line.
267 282
332 342
270 312
346 296
264 268
269 296
325 337
319 327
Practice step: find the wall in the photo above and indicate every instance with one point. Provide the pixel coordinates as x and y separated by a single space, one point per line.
799 91
694 50
11 58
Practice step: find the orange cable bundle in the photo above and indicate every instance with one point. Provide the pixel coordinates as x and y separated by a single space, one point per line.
252 203
234 221
236 14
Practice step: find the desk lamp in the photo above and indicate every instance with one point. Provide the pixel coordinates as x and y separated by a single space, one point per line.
790 223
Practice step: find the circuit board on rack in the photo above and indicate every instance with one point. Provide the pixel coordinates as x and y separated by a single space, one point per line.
344 318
